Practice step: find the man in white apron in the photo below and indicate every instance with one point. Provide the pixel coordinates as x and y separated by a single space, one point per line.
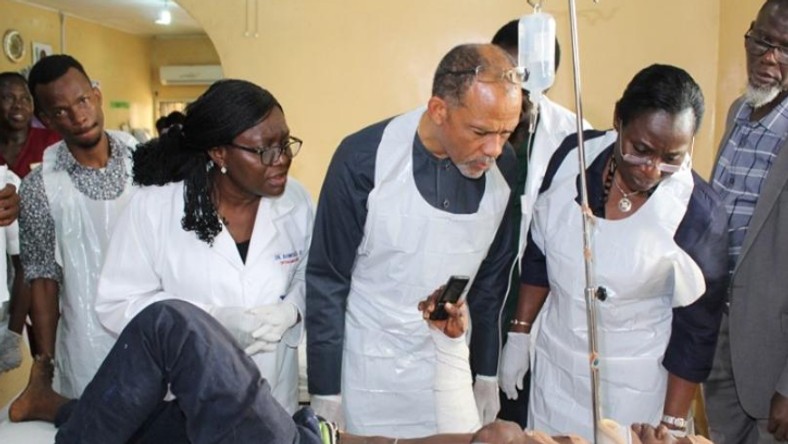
69 207
658 250
406 204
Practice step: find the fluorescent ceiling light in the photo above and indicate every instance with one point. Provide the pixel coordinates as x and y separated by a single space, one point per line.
165 18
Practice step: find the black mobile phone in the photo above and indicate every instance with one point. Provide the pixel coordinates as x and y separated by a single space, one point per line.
451 293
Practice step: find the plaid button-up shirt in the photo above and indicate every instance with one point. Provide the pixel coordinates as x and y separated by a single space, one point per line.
744 165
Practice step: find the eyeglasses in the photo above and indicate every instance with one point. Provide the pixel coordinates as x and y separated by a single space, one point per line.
636 160
269 155
492 74
641 160
758 47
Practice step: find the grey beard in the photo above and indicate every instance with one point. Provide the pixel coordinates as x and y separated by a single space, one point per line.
758 97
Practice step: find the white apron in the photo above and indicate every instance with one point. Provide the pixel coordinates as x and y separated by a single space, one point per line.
82 229
645 274
409 249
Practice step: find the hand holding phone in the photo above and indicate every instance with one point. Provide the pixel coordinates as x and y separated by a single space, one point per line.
451 293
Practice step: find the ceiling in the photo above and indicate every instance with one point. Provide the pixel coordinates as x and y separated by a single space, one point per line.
132 16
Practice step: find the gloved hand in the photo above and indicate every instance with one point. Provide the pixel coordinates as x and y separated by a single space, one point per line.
485 391
514 363
239 321
10 349
330 408
274 319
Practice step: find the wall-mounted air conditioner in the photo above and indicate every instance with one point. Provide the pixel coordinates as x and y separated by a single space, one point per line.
190 74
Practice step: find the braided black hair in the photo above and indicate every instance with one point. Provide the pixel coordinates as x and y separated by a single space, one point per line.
225 110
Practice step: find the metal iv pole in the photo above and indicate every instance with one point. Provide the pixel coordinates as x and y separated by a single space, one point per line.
592 293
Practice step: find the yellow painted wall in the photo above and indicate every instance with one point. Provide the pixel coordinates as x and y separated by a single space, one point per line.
337 65
735 19
120 61
34 24
186 50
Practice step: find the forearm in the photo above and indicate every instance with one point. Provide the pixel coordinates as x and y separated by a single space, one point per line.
20 298
325 325
454 438
529 304
679 395
45 314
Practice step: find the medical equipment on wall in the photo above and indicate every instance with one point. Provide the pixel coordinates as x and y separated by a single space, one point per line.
537 34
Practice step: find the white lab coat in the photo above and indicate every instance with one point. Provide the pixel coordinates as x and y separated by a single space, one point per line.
152 258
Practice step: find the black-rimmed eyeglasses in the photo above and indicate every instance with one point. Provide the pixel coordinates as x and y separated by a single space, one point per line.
758 47
270 154
492 74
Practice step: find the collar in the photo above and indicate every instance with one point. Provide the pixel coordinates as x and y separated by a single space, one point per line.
65 161
774 123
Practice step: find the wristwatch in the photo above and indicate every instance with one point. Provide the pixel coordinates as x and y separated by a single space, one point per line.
679 423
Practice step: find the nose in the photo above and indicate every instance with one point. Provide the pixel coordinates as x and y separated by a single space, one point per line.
78 116
493 147
280 159
651 170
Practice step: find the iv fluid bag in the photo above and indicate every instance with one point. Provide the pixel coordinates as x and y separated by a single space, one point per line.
536 52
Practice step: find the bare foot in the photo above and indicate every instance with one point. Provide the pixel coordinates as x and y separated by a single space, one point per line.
38 401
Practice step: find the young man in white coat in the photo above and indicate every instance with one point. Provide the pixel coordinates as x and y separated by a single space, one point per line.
68 210
539 133
406 204
747 392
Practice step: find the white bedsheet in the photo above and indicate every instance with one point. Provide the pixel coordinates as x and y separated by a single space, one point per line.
33 432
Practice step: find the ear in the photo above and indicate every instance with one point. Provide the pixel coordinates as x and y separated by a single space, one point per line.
218 156
100 97
437 110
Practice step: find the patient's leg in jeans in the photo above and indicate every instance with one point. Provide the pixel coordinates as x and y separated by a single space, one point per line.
218 387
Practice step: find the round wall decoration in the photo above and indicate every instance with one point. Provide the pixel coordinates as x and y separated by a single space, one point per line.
13 45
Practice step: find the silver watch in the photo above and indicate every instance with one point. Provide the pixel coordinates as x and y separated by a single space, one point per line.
679 423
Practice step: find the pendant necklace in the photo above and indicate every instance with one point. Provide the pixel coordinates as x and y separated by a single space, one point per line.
624 204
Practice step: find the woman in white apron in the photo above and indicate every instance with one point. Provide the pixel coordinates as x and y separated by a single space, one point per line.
226 229
658 251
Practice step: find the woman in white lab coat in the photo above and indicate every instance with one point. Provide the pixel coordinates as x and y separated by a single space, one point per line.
225 229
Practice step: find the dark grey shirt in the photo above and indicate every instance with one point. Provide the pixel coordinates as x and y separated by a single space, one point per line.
339 228
36 226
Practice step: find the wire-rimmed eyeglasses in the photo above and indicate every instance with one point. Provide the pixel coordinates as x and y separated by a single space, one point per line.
270 154
758 47
492 74
651 161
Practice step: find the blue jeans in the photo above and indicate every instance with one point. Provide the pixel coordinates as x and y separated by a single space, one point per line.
221 397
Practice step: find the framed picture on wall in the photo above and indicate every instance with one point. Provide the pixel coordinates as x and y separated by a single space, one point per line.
41 50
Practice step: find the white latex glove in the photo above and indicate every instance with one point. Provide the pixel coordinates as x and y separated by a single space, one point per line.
274 319
485 391
329 407
10 349
515 362
239 321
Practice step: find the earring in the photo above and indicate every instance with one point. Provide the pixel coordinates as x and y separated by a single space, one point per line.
223 169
